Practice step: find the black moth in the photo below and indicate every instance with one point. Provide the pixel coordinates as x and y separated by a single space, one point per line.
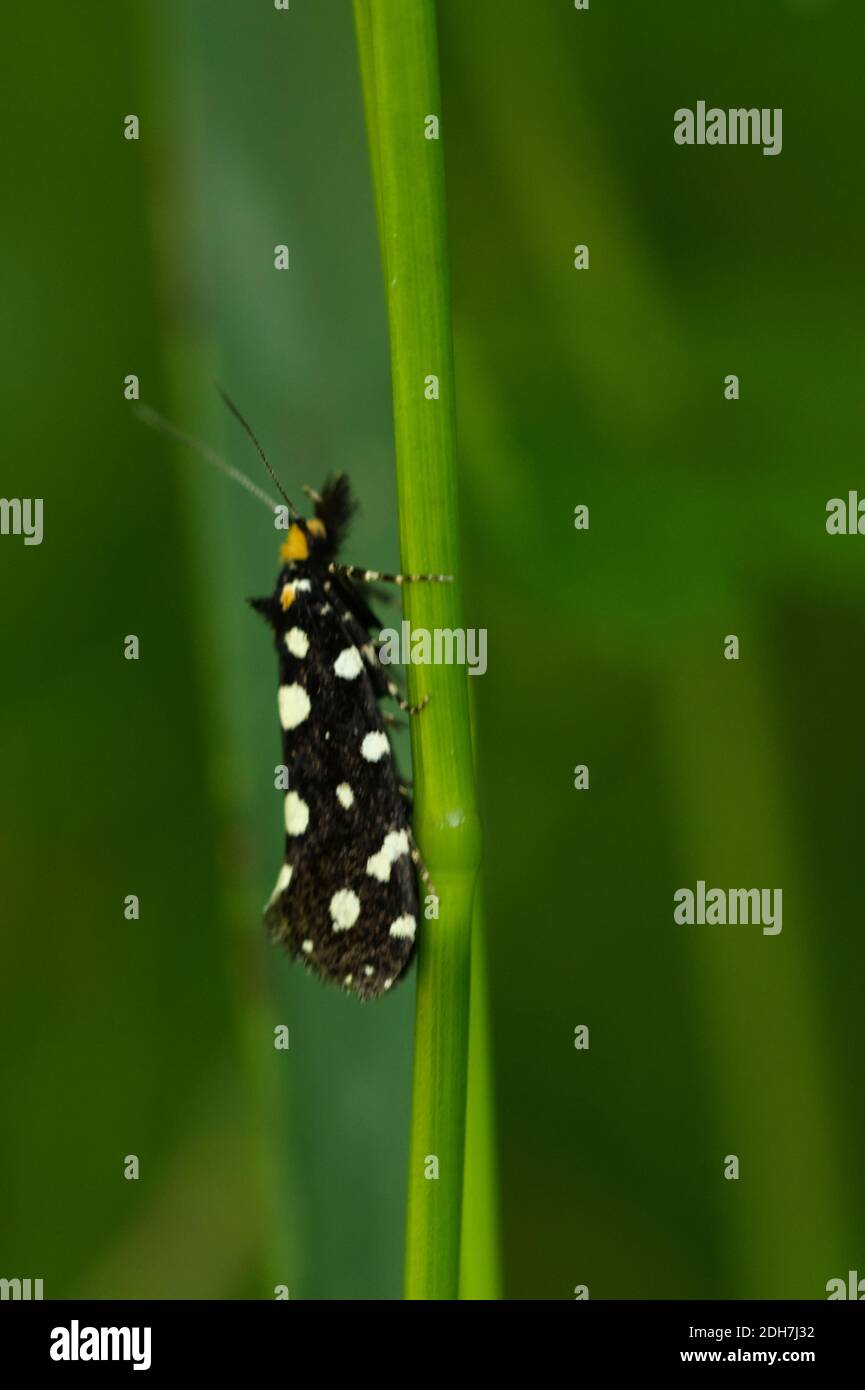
346 899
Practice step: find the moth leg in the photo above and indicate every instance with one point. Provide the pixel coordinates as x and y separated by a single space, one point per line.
311 493
421 867
375 670
394 692
376 576
381 682
393 720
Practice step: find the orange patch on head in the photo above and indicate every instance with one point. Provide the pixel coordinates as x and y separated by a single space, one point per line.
286 598
295 546
316 527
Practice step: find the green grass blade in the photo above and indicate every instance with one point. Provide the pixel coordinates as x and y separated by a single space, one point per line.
480 1264
398 53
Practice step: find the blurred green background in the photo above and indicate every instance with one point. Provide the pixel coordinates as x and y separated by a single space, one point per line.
602 387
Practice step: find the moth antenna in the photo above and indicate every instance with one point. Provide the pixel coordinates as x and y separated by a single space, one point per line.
151 417
262 455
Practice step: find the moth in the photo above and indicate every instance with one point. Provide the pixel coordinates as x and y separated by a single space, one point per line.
346 899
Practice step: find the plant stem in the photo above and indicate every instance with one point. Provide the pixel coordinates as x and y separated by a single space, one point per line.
399 64
480 1261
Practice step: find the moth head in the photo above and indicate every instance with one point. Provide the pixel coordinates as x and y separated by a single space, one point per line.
302 539
320 537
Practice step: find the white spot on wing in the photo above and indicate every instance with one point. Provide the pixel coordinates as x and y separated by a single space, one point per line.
395 844
301 585
282 882
296 814
375 746
344 909
307 946
378 866
294 705
404 927
297 642
369 970
348 664
345 795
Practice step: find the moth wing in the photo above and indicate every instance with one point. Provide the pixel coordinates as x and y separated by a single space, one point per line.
346 899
